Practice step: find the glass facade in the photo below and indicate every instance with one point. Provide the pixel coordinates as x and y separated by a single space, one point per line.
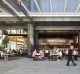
16 38
67 6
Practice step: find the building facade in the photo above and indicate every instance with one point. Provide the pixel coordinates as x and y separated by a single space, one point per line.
52 23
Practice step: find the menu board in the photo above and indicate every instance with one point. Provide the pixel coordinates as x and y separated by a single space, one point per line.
53 41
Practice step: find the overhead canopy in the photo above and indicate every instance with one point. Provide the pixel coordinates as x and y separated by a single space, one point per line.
39 8
58 6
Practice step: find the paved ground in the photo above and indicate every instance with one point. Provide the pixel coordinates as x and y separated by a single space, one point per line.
28 66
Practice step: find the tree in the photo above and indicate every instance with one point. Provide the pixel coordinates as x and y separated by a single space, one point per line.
5 41
4 32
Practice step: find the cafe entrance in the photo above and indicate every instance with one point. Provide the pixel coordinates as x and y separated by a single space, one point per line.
57 39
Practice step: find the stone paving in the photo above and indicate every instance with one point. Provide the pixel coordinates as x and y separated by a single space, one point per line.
28 66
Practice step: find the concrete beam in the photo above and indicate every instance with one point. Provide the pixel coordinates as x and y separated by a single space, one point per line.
58 28
56 18
13 19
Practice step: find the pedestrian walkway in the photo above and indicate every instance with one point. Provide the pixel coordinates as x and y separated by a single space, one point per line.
28 66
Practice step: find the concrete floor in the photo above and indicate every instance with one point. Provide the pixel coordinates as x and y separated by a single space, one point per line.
28 66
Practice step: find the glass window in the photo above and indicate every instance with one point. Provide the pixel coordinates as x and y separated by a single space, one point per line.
44 5
27 4
21 31
77 4
8 31
53 5
25 32
58 5
18 31
71 6
13 31
33 6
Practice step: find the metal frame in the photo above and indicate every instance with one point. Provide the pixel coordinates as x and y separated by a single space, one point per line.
11 7
65 5
50 5
78 7
2 10
37 5
22 4
56 14
25 11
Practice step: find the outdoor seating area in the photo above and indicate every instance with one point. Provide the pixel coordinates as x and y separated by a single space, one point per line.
54 54
8 55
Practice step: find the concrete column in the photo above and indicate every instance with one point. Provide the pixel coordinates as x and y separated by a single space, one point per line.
30 41
36 38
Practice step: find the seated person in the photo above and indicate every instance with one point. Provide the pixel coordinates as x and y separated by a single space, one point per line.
41 54
60 55
34 53
51 54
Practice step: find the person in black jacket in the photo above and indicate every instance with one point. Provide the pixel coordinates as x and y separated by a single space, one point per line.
70 54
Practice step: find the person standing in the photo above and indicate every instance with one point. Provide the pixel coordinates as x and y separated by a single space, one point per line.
46 53
70 54
75 54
